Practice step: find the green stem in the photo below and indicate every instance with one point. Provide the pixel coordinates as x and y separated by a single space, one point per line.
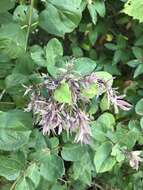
29 23
15 183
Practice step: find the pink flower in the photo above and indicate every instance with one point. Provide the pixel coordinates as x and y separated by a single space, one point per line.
84 133
135 159
117 100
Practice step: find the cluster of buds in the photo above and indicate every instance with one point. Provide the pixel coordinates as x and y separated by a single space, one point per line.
55 117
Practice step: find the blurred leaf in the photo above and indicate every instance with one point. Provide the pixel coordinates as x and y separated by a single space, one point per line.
10 166
21 15
33 173
38 56
54 50
134 8
139 107
6 5
73 152
138 71
15 129
52 168
12 40
66 15
24 184
84 66
83 171
63 94
102 160
94 7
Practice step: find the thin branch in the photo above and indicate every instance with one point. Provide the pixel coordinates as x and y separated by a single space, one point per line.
29 23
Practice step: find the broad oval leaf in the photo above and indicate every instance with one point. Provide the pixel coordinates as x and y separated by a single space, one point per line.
84 66
10 166
6 5
53 50
139 107
52 168
134 8
24 184
73 152
63 94
102 160
15 129
60 16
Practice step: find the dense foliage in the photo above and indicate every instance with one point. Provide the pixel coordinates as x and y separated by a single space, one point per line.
71 94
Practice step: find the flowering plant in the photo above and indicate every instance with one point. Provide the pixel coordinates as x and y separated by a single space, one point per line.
71 95
61 104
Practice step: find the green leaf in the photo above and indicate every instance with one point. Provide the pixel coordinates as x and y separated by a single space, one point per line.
107 121
99 7
107 77
134 8
141 122
91 91
104 104
38 56
111 46
123 137
54 141
96 6
14 87
138 52
21 15
24 184
33 173
54 50
15 129
97 133
10 166
52 168
133 63
57 186
5 18
82 170
24 65
116 151
6 5
117 56
138 71
73 152
12 40
102 160
60 16
63 93
5 66
93 13
15 79
84 66
139 107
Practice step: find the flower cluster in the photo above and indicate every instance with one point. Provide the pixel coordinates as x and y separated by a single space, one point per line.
116 100
55 117
135 159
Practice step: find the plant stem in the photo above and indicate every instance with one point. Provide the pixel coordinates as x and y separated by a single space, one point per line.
29 23
14 184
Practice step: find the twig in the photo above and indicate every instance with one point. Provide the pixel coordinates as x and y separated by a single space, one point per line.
29 23
1 95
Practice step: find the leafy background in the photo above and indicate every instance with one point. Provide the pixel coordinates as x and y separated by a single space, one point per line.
33 35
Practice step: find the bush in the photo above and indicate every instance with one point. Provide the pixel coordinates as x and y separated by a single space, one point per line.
71 94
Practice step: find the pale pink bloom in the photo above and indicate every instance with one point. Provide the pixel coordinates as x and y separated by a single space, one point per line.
84 132
135 159
117 100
